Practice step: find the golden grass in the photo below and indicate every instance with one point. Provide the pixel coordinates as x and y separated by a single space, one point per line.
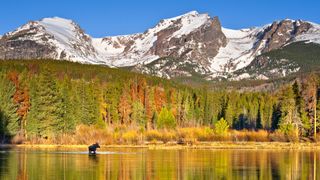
130 137
90 134
245 135
133 135
153 135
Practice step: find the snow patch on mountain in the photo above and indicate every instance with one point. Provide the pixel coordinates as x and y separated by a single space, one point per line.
190 22
113 50
62 29
70 40
313 35
238 52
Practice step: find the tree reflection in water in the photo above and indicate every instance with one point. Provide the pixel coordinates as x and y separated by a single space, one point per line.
162 164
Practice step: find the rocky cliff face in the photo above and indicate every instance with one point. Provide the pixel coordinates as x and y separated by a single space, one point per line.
280 33
54 38
192 36
199 45
20 45
192 44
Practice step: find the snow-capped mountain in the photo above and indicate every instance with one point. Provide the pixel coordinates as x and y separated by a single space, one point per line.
186 45
246 44
191 36
55 38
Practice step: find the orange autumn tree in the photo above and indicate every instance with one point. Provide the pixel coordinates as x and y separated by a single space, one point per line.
21 98
124 107
159 98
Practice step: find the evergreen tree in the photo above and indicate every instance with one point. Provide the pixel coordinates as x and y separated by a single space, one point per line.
267 111
89 104
221 127
9 119
223 104
138 114
189 114
276 115
179 108
3 130
207 115
300 105
259 119
68 122
112 97
154 119
198 109
289 115
230 114
46 107
166 119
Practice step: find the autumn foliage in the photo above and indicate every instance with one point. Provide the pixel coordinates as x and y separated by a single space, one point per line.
45 101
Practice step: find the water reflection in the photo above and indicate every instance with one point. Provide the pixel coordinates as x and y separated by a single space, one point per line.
161 164
3 163
93 158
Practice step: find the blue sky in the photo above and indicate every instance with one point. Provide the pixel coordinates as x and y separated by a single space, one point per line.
113 17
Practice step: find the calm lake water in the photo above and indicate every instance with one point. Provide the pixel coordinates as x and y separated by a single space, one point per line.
159 164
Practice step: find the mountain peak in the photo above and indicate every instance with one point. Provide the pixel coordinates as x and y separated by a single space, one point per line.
60 28
191 13
187 23
56 19
52 37
188 15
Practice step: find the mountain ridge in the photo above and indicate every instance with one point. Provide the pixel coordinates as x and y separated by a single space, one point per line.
196 41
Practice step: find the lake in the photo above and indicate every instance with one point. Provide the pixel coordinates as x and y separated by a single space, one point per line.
142 163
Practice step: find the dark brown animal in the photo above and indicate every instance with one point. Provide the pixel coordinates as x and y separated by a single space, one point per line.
93 148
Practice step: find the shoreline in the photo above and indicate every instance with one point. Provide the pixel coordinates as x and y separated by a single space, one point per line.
173 146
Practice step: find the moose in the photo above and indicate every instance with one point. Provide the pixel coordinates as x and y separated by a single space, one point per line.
93 148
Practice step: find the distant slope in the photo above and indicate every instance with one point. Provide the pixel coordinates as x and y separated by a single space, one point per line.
296 57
